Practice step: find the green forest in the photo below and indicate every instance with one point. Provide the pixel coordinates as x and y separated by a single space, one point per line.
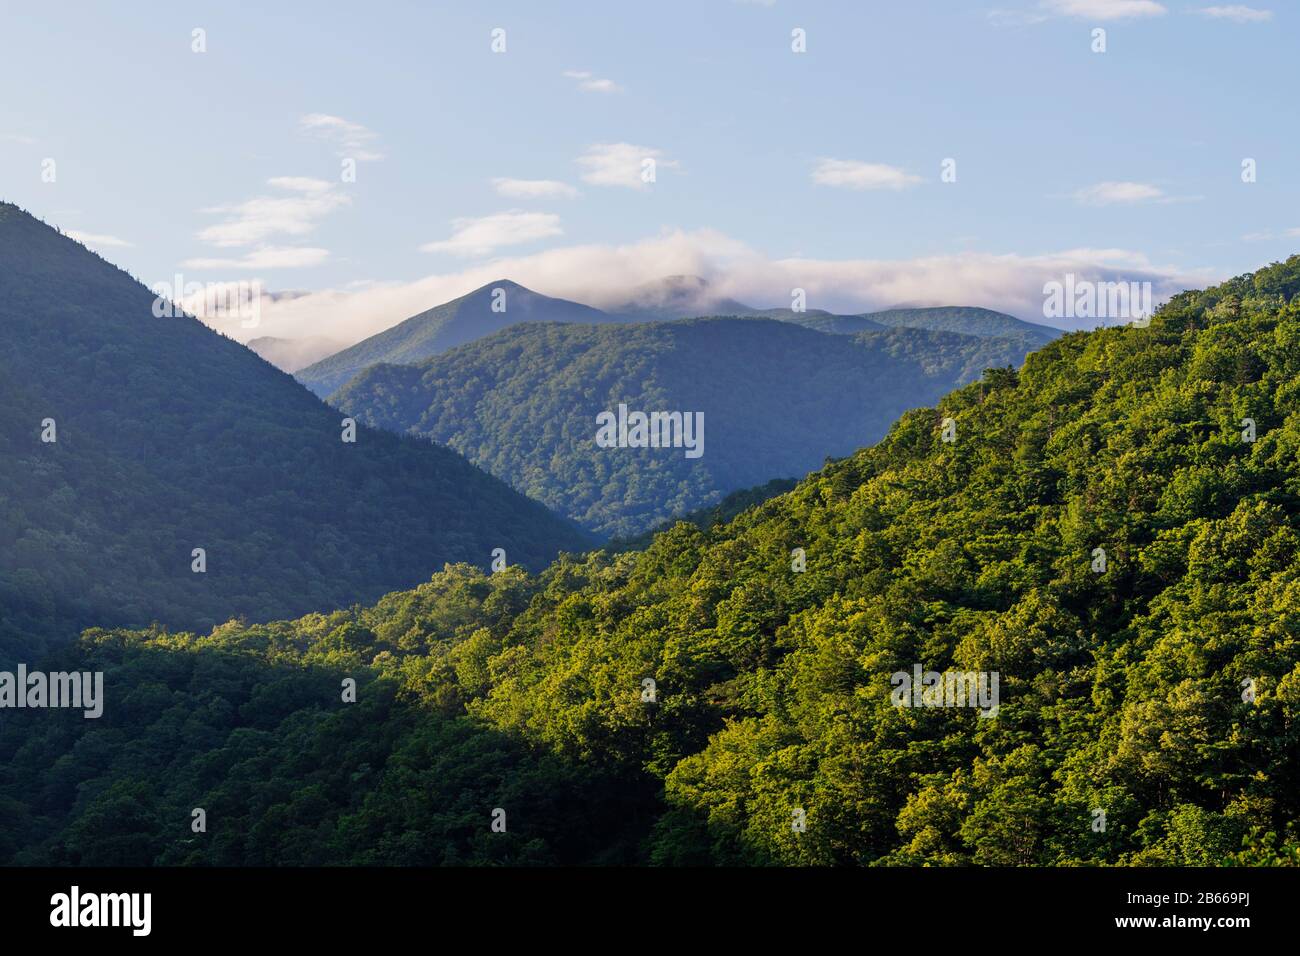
777 400
1160 686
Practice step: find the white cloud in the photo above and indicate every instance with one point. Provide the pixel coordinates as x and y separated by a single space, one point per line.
533 188
1269 236
1110 193
301 184
851 174
296 211
1105 9
1015 18
95 239
266 257
1237 12
479 236
262 217
601 275
591 83
620 164
352 139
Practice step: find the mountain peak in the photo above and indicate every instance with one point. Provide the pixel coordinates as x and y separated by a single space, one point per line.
445 326
508 284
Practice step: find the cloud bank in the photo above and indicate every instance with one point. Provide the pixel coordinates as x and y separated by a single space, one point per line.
601 275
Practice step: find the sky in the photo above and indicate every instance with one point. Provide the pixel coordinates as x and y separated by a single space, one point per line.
481 155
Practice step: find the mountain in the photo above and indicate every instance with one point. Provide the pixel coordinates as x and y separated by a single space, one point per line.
481 312
967 321
167 437
290 355
824 321
686 296
776 400
690 703
962 320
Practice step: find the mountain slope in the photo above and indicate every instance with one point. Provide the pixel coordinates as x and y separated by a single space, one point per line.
966 320
825 321
685 296
1162 690
170 437
776 399
453 323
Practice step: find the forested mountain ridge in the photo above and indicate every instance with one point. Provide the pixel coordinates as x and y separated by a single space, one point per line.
967 320
776 399
687 296
127 441
1158 692
481 312
824 321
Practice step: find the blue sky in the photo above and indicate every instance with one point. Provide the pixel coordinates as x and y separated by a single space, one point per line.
774 168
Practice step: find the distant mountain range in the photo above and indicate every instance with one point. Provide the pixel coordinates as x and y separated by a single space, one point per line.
967 321
684 296
129 441
503 303
776 399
